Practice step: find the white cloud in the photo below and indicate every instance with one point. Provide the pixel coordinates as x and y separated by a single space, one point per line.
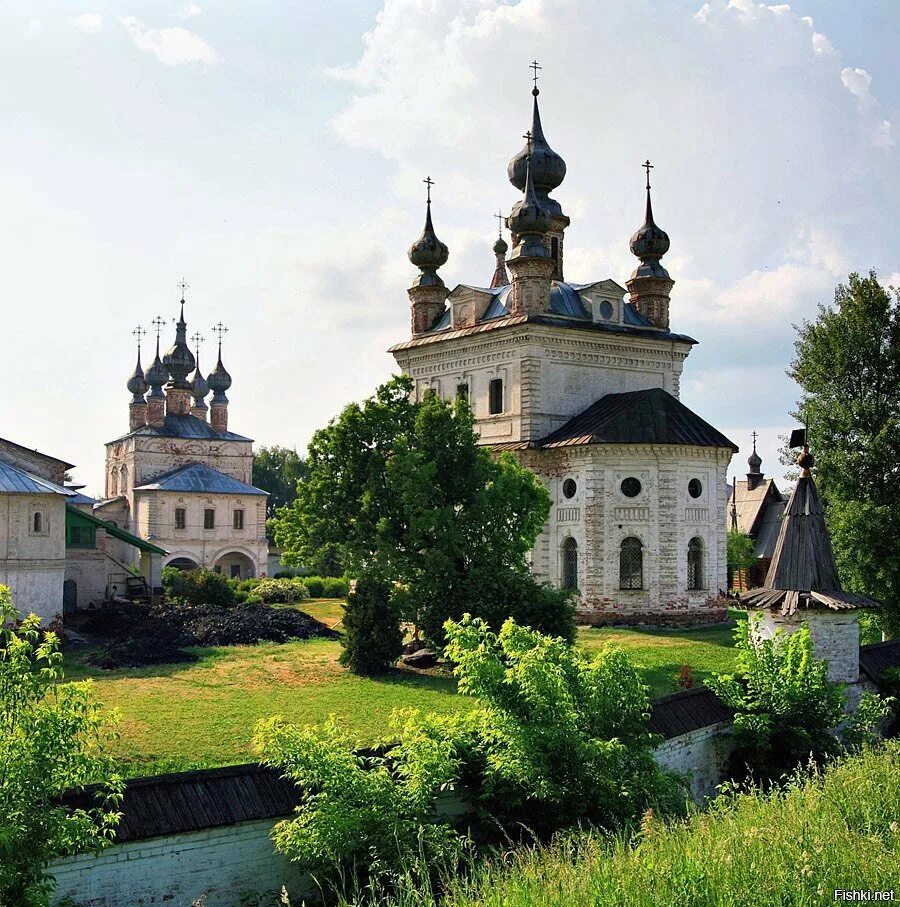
188 11
821 44
33 29
88 22
173 46
859 83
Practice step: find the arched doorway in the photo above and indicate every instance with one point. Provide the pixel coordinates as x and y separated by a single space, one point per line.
70 597
235 565
183 563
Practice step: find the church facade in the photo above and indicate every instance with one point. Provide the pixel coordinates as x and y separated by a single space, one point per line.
180 477
581 382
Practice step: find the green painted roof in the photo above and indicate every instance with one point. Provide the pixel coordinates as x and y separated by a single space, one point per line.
74 515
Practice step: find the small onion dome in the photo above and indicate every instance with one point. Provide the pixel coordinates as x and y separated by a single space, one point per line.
500 247
529 215
137 383
548 169
649 244
754 460
428 253
219 381
157 375
179 359
199 385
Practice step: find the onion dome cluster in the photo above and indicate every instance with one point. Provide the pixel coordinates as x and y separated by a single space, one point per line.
428 253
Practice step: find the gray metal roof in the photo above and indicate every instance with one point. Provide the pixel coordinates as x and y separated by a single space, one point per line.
184 427
17 481
200 478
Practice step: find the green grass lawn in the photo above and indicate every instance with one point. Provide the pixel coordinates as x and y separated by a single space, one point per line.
203 713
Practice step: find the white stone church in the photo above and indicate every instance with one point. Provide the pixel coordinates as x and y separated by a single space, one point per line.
581 383
180 478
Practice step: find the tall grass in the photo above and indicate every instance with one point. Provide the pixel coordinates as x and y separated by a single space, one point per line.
837 829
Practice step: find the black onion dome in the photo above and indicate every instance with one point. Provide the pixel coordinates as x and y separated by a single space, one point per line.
500 246
219 381
754 461
428 252
548 169
137 383
157 375
179 359
649 241
528 215
199 385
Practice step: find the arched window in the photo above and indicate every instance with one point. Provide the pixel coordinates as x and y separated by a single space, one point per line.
570 564
695 578
631 564
37 522
113 482
123 480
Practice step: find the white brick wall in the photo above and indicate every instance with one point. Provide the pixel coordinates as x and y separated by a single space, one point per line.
701 756
235 866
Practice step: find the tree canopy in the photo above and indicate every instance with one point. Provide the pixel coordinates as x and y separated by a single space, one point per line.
847 363
278 470
402 487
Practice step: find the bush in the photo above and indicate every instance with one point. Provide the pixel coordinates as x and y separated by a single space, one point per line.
315 585
501 595
336 587
786 709
53 738
563 739
278 591
373 638
365 817
197 587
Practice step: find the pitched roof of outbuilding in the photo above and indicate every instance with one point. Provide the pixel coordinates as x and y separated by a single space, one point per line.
14 480
199 478
750 503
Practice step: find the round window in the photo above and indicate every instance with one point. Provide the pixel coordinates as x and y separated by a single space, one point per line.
631 487
569 488
695 488
606 309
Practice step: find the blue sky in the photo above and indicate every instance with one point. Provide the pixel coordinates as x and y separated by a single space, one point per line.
272 154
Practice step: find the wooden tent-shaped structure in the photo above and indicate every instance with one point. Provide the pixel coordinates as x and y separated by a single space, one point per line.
803 573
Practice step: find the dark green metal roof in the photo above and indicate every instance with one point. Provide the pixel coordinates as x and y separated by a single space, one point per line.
74 515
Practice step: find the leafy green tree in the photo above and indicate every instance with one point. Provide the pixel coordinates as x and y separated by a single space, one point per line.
278 470
373 639
366 819
741 555
404 489
52 740
847 363
562 739
786 709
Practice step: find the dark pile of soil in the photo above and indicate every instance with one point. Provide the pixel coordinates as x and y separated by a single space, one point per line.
132 635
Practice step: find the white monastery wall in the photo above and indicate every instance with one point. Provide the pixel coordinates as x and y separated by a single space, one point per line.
549 374
155 520
664 516
33 461
701 756
32 563
232 866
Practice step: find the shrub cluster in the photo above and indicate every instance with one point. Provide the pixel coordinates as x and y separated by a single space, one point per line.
554 740
327 586
197 587
373 639
277 591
